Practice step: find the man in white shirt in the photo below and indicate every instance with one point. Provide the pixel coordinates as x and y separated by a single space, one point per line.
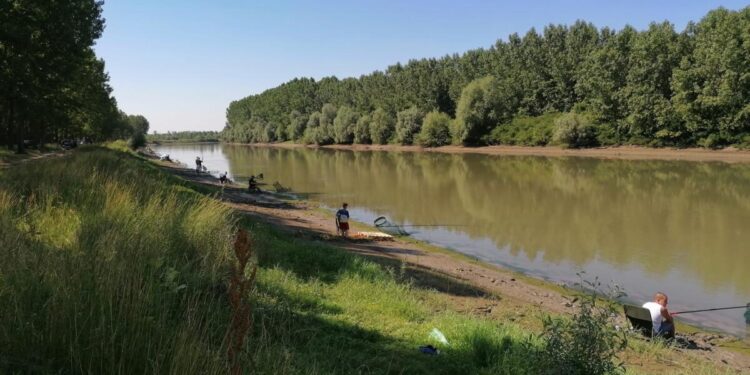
663 325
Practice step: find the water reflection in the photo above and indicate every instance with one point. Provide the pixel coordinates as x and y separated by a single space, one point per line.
676 226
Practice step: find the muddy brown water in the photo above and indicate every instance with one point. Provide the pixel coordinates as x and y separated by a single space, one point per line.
674 226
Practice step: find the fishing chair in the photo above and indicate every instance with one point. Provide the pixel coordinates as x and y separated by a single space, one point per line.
640 320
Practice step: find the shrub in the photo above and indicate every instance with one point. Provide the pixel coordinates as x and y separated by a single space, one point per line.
484 103
362 130
344 124
526 131
408 124
589 342
381 127
574 130
297 124
316 132
435 130
137 140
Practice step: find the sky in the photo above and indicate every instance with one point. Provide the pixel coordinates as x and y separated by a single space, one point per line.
181 62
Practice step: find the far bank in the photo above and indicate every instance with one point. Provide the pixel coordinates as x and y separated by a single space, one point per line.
728 155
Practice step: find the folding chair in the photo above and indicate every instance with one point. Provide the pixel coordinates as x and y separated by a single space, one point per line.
640 320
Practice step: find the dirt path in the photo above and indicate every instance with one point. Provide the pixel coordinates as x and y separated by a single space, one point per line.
475 288
6 164
729 155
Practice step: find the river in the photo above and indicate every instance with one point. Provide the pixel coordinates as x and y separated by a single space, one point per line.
674 226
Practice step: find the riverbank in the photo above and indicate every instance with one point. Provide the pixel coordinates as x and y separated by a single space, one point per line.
124 269
728 155
471 287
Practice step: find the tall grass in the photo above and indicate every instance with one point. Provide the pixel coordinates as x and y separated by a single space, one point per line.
107 266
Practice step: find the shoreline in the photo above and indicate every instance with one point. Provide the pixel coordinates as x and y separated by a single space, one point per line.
726 155
523 296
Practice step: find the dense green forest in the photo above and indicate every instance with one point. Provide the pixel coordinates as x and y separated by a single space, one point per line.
53 86
184 136
574 85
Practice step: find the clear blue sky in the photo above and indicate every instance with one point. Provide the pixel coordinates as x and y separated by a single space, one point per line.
180 63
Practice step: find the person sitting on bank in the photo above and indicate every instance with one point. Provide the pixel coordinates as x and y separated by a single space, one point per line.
198 163
252 185
223 178
663 324
342 220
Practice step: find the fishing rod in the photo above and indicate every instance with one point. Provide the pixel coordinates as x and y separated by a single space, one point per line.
714 309
421 225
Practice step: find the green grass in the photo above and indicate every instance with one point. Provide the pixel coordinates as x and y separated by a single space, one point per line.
343 314
10 156
110 265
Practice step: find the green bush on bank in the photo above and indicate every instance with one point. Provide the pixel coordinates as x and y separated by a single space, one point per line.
574 130
435 130
362 130
382 126
344 125
526 131
408 124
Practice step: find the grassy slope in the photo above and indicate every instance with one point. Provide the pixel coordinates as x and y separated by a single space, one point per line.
109 265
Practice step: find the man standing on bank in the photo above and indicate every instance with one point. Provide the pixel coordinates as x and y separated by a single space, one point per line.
660 316
342 220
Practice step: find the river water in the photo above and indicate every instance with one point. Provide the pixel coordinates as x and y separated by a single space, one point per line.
674 226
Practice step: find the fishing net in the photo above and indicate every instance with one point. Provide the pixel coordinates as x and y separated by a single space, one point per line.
388 227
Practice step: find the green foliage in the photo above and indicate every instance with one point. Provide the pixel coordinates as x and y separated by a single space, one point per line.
589 342
316 132
184 136
53 85
711 92
652 87
297 124
526 131
481 108
344 125
311 129
408 124
362 130
574 130
435 130
382 126
137 140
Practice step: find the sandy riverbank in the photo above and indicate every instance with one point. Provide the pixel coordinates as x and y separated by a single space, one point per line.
728 155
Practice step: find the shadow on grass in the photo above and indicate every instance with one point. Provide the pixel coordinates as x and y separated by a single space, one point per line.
289 341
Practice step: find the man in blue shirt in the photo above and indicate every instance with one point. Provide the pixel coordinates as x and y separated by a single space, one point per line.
342 220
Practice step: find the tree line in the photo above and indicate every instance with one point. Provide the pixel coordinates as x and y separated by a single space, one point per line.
575 85
184 136
53 86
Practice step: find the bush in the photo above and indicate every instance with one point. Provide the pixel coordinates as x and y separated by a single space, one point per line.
484 103
297 124
362 130
137 140
589 342
381 127
526 131
435 130
408 124
344 124
574 130
316 132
